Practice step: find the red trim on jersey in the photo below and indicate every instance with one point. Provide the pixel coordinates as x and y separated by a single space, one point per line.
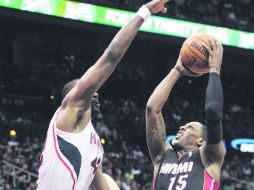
61 159
209 182
154 180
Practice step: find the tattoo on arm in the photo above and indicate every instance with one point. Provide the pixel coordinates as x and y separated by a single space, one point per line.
156 135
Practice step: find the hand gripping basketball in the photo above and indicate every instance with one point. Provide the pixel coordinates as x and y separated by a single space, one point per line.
183 71
195 55
215 55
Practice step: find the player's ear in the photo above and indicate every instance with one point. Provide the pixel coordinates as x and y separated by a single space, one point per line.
200 141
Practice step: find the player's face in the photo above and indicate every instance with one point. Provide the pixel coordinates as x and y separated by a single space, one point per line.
188 135
95 104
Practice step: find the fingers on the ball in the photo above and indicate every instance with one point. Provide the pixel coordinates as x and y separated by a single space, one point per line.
179 60
209 49
210 43
216 43
213 43
221 46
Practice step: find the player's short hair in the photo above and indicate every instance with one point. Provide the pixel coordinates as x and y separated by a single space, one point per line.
68 86
204 131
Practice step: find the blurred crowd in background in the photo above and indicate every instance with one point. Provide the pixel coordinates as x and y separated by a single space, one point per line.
238 14
121 123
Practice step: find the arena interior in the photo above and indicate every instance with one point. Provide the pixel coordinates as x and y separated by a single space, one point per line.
39 53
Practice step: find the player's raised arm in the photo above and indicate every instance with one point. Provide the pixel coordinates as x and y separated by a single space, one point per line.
155 127
213 151
96 75
76 104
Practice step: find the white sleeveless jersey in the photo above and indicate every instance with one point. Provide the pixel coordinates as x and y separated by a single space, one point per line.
69 161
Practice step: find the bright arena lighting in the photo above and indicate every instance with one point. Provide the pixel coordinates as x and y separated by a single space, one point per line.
103 141
13 133
243 145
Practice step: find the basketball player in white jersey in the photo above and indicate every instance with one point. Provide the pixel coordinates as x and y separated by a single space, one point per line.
72 156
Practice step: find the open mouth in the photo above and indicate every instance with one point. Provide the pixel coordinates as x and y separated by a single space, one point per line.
179 134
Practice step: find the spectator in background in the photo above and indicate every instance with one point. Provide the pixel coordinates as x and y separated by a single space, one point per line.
233 14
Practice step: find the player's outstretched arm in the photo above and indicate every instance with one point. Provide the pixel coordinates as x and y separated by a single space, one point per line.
213 151
78 100
97 74
155 127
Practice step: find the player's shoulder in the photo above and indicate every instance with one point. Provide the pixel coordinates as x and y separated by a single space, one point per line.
169 147
169 150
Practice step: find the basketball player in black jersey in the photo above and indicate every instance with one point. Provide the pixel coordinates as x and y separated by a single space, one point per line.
193 161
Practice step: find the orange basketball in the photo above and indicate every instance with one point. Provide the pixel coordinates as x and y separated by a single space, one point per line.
195 56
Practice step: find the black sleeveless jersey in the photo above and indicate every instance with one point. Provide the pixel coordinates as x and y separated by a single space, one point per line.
186 173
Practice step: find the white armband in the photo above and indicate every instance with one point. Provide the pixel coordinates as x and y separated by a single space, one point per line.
144 12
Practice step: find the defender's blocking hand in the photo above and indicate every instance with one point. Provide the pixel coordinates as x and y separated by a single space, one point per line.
156 6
